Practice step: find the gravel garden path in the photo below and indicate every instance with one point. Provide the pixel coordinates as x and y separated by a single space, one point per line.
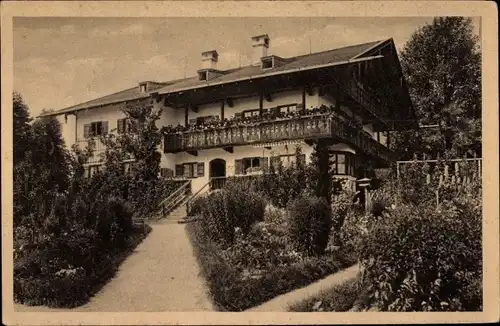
161 275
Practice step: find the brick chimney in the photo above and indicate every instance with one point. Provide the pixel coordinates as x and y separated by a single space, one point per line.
260 46
209 59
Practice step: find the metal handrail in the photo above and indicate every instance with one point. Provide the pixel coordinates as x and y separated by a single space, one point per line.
173 199
175 192
190 200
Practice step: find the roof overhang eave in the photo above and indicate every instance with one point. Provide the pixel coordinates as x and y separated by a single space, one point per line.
71 111
277 73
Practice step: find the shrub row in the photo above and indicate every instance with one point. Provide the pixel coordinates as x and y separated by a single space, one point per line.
232 293
235 206
66 271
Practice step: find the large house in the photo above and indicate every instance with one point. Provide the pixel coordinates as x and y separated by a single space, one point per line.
222 123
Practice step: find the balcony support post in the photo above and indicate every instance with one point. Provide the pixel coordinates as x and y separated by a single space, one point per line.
186 115
304 98
261 102
222 109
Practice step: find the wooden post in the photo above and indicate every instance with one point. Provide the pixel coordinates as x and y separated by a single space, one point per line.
437 199
261 103
222 110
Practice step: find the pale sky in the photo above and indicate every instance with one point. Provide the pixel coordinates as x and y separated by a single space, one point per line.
59 62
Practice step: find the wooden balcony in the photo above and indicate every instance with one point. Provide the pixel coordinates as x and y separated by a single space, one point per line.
366 99
305 127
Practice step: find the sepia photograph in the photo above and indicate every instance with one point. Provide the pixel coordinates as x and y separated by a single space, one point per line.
247 164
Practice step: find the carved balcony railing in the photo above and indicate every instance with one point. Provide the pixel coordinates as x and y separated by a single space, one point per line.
304 127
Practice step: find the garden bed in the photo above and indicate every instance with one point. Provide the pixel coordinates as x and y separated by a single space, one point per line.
340 298
233 291
43 277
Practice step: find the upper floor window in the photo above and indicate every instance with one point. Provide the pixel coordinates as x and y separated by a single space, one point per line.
267 63
251 113
123 125
288 108
94 129
203 75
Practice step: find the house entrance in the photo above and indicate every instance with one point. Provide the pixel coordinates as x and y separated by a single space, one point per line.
217 168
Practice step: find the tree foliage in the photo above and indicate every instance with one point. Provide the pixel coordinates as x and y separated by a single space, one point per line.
41 164
442 65
320 171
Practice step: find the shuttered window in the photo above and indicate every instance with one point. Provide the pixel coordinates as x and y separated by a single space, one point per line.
94 129
123 125
201 169
238 167
179 170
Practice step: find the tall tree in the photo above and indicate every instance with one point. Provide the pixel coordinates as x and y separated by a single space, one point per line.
320 171
442 65
41 164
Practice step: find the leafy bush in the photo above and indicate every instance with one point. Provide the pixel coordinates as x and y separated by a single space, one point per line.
281 184
309 223
65 271
340 298
341 203
429 260
196 206
234 290
232 207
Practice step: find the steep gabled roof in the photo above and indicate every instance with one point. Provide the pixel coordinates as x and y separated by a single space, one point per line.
318 59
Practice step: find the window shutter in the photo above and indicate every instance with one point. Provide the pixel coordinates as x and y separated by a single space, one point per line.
86 131
179 170
263 163
194 170
187 172
120 125
201 169
238 166
104 127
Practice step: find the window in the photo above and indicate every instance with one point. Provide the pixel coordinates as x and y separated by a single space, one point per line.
203 75
251 113
343 163
288 108
95 129
250 164
190 170
143 88
288 160
123 125
267 63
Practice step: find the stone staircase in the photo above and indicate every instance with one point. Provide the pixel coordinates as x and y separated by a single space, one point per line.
178 215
